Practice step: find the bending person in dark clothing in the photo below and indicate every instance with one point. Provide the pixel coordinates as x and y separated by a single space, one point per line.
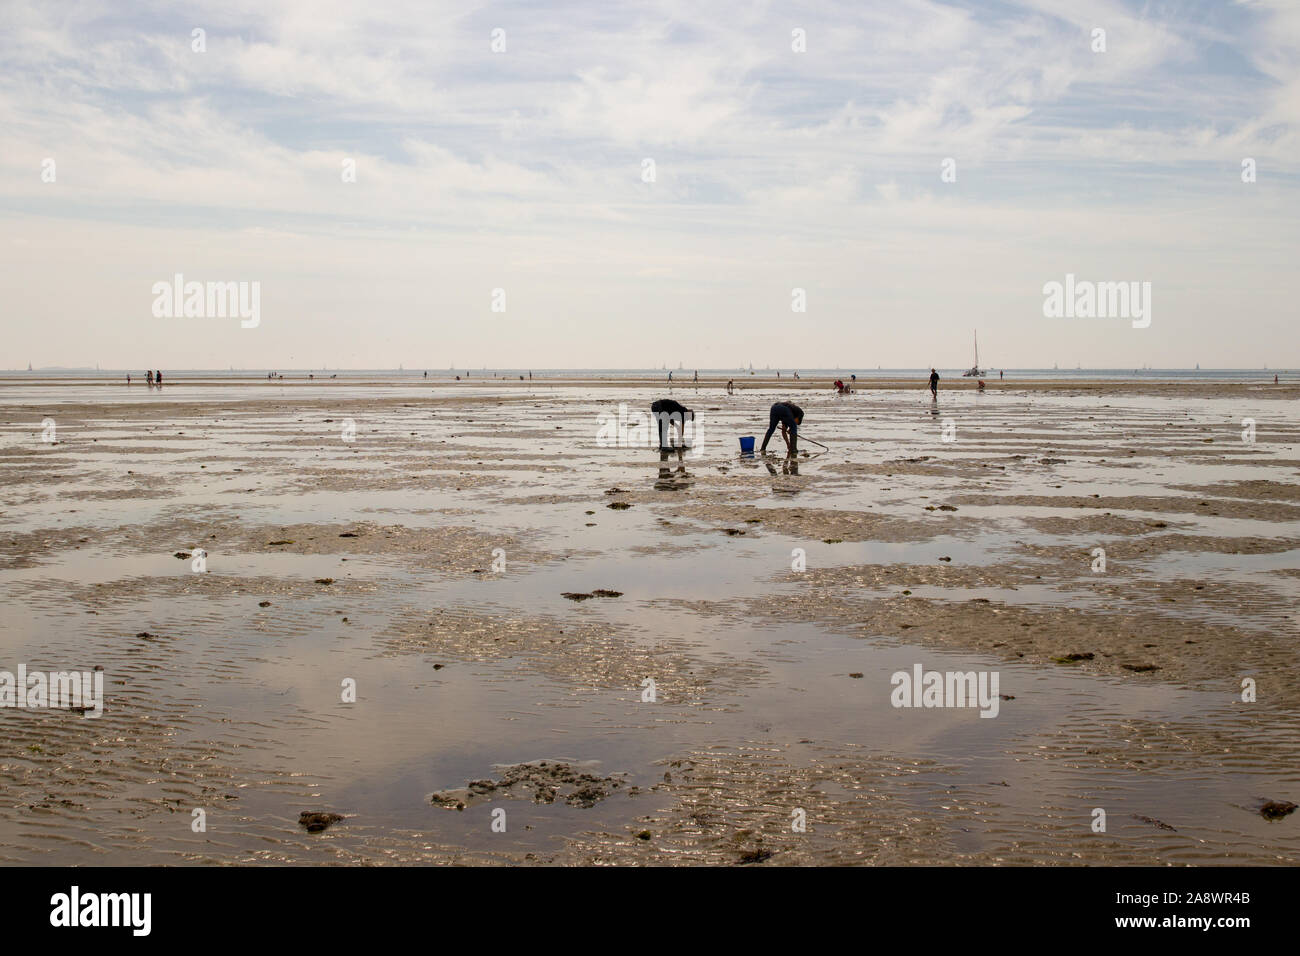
789 416
667 413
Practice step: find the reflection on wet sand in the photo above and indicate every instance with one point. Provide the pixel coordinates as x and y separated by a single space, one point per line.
727 682
789 465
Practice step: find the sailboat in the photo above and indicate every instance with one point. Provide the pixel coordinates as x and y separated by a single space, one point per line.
975 371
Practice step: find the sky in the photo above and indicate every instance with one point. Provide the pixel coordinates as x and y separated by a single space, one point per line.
594 185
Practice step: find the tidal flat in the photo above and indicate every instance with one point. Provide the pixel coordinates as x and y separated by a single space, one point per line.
407 608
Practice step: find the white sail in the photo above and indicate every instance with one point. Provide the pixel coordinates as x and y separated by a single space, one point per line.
975 371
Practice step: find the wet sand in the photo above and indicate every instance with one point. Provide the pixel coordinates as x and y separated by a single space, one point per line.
427 558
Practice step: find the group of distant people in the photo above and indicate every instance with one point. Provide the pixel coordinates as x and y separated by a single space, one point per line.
151 378
730 382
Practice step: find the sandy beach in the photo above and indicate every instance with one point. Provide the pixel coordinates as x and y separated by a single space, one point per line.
646 660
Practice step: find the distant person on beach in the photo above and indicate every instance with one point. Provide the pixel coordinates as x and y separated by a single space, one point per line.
731 386
1001 374
853 378
788 416
128 378
667 413
934 383
697 375
148 377
157 378
1274 379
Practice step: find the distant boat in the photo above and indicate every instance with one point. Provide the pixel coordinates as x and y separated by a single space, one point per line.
975 371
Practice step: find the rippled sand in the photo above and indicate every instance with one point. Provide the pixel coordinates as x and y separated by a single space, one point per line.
744 702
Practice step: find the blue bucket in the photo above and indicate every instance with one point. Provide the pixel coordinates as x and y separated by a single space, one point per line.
747 445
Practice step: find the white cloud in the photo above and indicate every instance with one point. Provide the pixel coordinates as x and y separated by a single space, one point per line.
481 169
